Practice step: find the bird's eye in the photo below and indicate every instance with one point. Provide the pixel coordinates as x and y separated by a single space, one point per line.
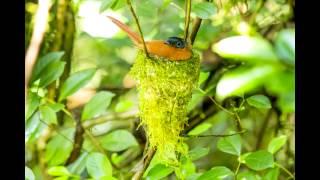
179 44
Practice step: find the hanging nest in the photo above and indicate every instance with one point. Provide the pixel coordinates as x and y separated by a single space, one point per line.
165 89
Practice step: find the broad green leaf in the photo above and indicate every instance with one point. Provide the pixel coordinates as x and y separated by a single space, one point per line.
78 166
246 49
33 102
106 4
107 178
43 62
159 171
271 174
118 140
259 101
217 173
231 145
243 80
98 165
285 45
75 82
58 171
62 178
146 9
204 10
28 174
118 4
259 160
59 147
97 105
248 175
186 168
203 77
51 73
286 102
200 129
56 107
48 115
123 105
31 125
194 176
277 143
198 153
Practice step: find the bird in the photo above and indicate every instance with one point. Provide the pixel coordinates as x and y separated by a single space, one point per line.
173 49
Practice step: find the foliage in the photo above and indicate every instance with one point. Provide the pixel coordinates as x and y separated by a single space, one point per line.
245 86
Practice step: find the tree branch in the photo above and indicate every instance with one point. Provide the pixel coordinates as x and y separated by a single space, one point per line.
195 28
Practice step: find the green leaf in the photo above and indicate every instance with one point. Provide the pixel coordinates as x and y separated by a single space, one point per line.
59 147
159 171
204 10
58 171
56 107
118 4
248 175
43 62
51 73
259 160
33 102
203 77
200 129
285 45
118 140
146 9
98 165
246 49
123 105
48 115
28 174
97 105
243 80
75 82
231 145
259 101
62 178
217 173
31 125
186 168
198 153
277 143
79 165
106 4
271 174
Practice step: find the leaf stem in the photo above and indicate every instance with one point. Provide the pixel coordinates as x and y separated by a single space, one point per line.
285 170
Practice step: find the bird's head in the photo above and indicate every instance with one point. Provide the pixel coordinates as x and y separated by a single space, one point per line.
176 42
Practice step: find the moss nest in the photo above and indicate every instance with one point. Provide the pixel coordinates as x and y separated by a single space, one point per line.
165 89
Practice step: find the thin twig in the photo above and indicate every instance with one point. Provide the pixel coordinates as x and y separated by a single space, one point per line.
187 21
139 27
215 135
284 169
39 30
149 155
195 28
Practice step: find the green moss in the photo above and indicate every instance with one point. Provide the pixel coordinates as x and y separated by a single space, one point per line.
165 89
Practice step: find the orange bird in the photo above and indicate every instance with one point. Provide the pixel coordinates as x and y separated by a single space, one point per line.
174 48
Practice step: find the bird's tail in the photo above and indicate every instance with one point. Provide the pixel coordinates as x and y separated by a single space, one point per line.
133 36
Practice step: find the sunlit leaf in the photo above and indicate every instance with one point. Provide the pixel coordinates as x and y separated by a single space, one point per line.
98 165
271 174
51 73
78 166
200 129
248 175
285 45
245 49
106 4
59 147
203 77
231 145
198 152
33 102
243 80
75 82
159 171
48 115
277 143
97 105
28 174
259 101
204 10
58 171
123 105
217 173
118 140
43 62
31 125
259 160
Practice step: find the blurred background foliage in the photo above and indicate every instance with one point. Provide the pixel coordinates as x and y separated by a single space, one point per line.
82 116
